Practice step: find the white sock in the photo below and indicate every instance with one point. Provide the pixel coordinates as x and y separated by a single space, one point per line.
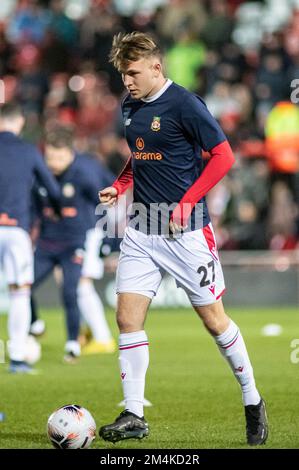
92 311
73 346
133 361
18 322
232 347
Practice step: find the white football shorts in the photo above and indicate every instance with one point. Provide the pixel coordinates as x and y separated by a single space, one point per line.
192 260
93 266
16 255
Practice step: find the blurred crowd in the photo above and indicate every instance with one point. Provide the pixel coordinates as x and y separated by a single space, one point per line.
241 57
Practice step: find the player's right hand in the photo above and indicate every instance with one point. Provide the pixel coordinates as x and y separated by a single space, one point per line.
108 196
176 228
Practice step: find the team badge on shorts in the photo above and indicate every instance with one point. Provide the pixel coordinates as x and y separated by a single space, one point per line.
156 125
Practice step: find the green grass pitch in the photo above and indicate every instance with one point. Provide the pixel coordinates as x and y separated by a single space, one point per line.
196 400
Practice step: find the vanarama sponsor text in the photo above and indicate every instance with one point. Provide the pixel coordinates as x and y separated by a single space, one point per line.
147 156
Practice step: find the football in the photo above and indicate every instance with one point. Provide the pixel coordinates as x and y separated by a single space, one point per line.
71 427
33 350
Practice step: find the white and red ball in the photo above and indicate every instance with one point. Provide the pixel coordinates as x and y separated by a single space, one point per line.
71 427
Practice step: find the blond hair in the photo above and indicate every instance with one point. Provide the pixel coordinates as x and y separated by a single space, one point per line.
132 47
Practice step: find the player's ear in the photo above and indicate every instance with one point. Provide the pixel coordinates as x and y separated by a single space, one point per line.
157 68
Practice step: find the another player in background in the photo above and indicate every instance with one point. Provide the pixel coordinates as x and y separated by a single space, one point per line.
21 164
166 129
63 242
89 301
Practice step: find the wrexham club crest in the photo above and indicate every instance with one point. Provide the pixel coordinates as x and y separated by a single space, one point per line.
156 124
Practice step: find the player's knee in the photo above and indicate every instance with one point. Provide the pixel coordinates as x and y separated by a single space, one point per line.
126 324
123 323
214 318
212 326
215 325
85 280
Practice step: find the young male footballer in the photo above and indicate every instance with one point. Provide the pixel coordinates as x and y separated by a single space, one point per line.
166 128
21 164
71 242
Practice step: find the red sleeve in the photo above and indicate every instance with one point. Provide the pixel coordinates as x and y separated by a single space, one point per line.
125 179
221 160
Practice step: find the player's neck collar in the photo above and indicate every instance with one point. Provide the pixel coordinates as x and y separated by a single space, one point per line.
159 93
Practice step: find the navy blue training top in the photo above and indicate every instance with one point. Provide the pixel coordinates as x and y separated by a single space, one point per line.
166 137
79 185
20 165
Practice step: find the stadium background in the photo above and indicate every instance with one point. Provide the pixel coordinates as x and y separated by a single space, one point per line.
243 59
